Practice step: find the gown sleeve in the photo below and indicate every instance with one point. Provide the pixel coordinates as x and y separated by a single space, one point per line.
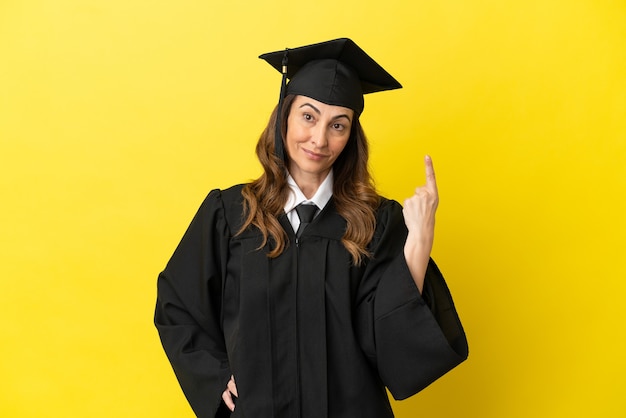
412 339
188 307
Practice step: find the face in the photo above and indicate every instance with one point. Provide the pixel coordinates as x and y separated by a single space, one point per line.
317 133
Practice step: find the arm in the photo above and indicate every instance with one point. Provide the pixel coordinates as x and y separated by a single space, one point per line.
419 216
188 308
411 339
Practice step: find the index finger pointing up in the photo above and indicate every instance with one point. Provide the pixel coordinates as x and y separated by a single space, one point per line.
431 182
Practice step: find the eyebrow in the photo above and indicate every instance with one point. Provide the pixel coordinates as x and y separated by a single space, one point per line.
343 115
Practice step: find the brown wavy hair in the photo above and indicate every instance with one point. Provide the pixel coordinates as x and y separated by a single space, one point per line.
354 193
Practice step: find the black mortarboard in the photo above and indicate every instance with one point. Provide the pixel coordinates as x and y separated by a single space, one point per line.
335 72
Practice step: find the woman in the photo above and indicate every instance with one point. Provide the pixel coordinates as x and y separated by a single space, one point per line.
305 293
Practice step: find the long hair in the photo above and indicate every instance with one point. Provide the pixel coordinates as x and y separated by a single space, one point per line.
354 194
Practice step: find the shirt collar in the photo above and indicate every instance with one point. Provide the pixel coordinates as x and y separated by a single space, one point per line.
321 197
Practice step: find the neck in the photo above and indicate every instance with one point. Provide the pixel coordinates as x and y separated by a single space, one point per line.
309 182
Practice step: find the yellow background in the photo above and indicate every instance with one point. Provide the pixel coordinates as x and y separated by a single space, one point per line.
117 116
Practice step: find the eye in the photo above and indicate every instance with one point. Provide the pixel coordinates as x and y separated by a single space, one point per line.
338 126
307 117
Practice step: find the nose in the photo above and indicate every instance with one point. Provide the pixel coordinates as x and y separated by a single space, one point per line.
318 137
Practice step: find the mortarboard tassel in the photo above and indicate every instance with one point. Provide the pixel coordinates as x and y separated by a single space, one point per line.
279 149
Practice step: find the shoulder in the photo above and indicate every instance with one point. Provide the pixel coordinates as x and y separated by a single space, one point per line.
221 203
232 194
389 222
225 197
229 203
387 208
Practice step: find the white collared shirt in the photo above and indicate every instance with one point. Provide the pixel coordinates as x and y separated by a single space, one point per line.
321 198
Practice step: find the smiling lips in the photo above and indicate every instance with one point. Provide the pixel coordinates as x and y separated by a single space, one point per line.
314 156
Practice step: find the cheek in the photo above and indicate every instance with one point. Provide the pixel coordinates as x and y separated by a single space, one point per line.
339 145
290 136
294 133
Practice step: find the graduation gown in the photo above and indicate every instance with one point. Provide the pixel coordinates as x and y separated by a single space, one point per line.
307 334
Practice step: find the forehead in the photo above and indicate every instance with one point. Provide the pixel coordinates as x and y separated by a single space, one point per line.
309 102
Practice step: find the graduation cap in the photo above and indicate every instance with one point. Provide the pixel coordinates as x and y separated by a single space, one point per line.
335 72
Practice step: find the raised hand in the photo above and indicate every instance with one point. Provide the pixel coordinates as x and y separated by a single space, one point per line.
419 216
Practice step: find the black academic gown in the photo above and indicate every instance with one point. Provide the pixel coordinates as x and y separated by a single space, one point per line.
306 334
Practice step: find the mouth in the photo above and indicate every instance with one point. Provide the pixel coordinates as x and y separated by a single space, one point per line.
313 155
